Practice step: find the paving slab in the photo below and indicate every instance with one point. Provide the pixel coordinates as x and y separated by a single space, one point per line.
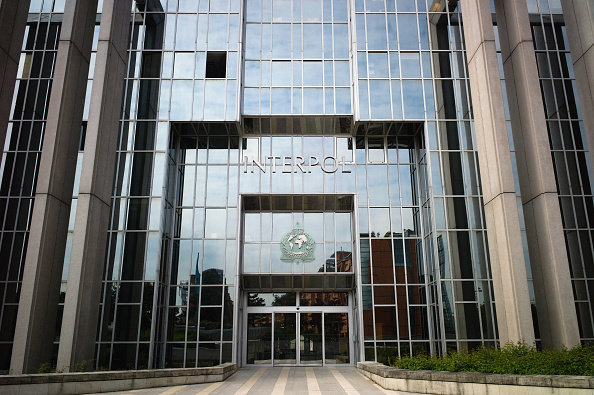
255 380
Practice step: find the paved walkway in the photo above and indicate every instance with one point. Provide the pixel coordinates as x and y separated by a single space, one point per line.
294 380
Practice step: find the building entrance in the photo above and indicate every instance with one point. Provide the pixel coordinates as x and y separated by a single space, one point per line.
312 332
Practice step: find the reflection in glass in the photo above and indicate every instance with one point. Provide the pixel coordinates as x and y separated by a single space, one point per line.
285 338
310 338
259 339
323 299
381 259
336 338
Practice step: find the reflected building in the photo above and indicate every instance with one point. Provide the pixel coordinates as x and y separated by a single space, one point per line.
292 182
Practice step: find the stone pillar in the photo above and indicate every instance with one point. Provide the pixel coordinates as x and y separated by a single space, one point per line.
555 305
579 21
13 19
85 275
38 305
514 318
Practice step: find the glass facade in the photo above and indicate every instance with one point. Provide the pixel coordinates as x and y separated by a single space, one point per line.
278 155
569 150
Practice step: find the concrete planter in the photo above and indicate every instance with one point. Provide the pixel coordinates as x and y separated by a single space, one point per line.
81 383
432 382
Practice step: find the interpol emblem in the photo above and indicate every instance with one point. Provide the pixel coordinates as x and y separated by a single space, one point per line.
297 245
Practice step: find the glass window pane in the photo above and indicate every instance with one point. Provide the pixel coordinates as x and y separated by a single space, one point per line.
380 99
408 31
217 31
412 97
411 65
312 35
281 73
185 37
184 65
281 41
378 64
376 32
313 101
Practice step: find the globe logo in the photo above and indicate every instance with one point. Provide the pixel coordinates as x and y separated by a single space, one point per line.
297 245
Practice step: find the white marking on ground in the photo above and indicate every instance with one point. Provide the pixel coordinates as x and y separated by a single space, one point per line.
173 389
281 382
312 382
250 383
210 388
346 386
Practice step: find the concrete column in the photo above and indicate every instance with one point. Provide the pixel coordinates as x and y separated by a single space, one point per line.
36 320
13 19
579 21
87 259
555 305
512 301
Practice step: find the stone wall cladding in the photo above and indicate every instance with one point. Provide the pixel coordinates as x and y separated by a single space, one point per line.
80 383
432 382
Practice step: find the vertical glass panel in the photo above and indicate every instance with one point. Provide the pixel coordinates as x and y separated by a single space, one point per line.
281 101
310 338
378 185
184 65
408 31
381 259
312 10
380 99
412 97
362 64
343 100
217 186
210 324
343 226
281 72
327 39
312 73
252 38
392 31
410 64
313 101
376 32
185 37
217 31
214 261
215 223
340 11
281 10
297 73
396 100
341 40
342 75
285 338
281 41
312 35
251 258
214 105
363 100
385 323
378 64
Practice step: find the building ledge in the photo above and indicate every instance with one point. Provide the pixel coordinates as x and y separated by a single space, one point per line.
433 382
87 382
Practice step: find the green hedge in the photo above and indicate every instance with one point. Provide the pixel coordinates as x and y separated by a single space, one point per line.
511 359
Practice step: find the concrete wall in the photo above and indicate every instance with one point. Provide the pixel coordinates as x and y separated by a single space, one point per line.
431 382
83 383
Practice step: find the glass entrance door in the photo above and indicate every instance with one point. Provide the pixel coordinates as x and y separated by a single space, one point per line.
295 330
307 338
311 349
285 338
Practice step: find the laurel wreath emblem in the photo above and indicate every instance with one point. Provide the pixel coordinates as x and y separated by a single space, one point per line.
297 245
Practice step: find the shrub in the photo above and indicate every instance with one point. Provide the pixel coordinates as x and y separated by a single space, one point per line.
510 359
